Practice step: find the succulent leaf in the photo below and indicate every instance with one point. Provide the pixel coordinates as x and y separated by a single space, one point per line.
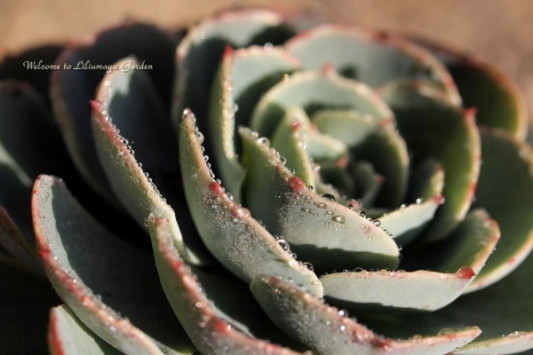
237 240
372 141
199 53
328 330
209 330
432 127
511 204
314 91
133 187
321 231
290 143
242 77
395 291
110 285
373 153
453 268
73 89
498 101
67 335
357 53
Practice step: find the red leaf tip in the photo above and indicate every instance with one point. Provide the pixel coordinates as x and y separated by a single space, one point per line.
465 273
296 184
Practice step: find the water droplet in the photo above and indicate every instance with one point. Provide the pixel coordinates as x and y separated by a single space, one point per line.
263 140
309 265
418 201
206 158
283 160
283 244
361 213
199 135
329 197
377 222
339 219
343 313
311 187
198 304
268 46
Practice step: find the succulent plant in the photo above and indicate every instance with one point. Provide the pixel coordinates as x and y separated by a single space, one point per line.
304 187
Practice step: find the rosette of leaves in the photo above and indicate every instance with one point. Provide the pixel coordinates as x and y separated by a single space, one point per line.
325 189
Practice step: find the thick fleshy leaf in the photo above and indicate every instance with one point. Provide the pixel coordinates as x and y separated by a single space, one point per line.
498 101
432 127
290 142
407 222
131 99
373 141
321 231
328 330
67 335
133 187
373 57
111 286
453 267
72 89
425 190
395 291
199 53
504 313
505 189
242 77
26 300
314 91
237 240
209 329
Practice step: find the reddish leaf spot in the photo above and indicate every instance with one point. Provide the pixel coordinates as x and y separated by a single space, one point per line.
328 68
313 127
511 261
296 126
296 184
343 162
381 179
470 113
367 229
53 335
216 188
387 121
472 190
465 273
383 344
382 36
221 327
96 106
228 51
439 199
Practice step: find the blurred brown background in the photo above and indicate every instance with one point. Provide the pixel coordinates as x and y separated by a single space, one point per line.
499 31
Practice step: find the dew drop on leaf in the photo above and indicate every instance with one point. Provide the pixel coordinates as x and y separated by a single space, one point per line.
329 197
